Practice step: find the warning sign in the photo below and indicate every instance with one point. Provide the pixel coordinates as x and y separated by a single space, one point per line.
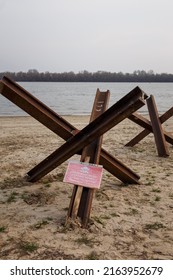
84 174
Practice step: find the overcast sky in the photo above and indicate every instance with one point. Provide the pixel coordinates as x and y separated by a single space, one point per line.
76 35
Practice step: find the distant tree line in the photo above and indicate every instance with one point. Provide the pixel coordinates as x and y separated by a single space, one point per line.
84 76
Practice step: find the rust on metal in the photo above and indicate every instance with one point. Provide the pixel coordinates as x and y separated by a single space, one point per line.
145 123
111 117
138 138
167 115
26 101
34 107
157 128
145 132
81 200
88 141
123 173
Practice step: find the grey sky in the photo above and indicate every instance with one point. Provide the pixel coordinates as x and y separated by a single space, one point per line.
76 35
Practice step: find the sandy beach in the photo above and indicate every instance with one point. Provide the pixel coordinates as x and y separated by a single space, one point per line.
127 221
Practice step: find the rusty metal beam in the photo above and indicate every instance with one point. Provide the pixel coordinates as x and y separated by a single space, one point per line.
34 107
27 102
157 128
123 173
142 121
115 114
167 115
145 132
138 138
81 200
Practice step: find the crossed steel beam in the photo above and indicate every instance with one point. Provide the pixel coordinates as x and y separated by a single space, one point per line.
75 142
153 126
111 117
81 199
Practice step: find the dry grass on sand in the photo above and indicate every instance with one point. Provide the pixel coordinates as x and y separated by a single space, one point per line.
127 221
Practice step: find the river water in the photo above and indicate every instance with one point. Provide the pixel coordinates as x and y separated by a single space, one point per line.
77 98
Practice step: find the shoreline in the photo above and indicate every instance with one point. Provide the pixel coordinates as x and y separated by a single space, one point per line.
70 115
61 115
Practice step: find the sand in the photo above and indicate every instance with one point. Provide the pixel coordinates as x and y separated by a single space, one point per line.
127 221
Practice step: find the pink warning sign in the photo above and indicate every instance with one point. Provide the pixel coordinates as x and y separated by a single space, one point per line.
84 174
